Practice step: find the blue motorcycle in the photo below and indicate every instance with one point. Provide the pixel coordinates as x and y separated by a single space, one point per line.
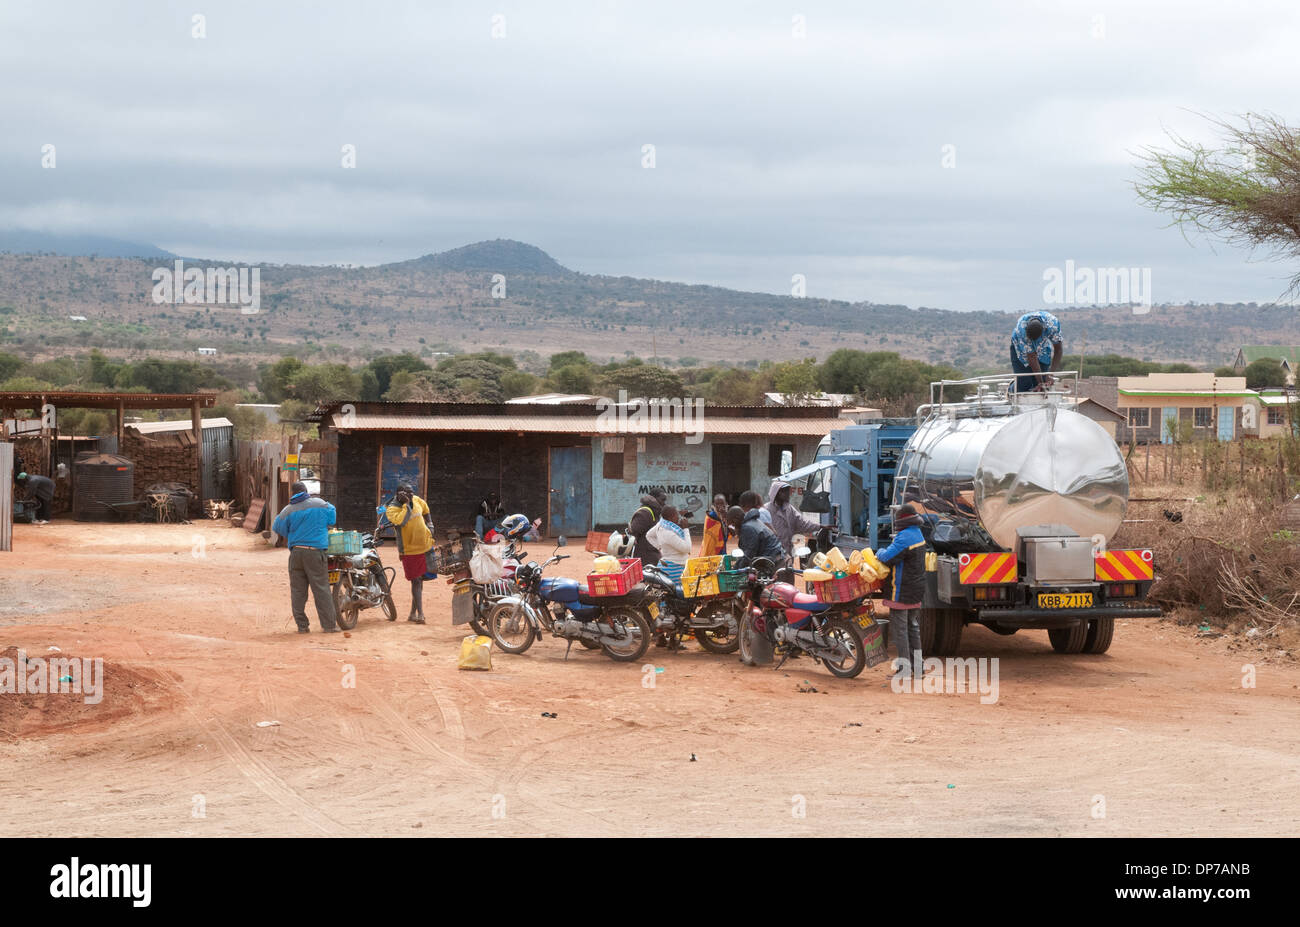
618 625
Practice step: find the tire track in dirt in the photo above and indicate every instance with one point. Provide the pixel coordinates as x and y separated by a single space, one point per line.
256 770
267 781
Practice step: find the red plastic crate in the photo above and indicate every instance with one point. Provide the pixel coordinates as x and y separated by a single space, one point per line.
598 541
841 588
619 583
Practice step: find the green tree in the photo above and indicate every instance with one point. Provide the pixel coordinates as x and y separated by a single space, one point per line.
9 365
275 379
642 381
325 383
735 387
382 369
1243 192
517 383
566 358
573 378
1265 373
846 371
796 379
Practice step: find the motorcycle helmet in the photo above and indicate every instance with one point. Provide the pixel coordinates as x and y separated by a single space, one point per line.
514 527
620 545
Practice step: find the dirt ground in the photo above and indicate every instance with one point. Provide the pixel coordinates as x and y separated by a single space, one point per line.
193 625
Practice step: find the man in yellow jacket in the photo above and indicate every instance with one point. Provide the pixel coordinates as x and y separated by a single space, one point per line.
409 516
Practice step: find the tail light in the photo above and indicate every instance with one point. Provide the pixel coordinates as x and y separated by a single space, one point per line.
1122 590
990 593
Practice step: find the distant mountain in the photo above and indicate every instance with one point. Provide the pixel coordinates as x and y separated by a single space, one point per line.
26 241
449 302
501 256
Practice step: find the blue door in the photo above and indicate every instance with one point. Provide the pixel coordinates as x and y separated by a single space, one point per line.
570 484
1227 421
1169 425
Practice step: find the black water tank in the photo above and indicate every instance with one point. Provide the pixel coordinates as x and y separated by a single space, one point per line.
98 481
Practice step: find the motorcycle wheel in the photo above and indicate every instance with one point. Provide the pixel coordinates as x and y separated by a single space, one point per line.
846 632
727 612
637 637
510 628
388 606
482 608
745 640
345 615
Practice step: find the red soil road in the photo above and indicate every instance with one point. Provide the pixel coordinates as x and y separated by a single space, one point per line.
1161 727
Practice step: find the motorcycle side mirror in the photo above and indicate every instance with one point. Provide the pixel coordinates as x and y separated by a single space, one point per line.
561 541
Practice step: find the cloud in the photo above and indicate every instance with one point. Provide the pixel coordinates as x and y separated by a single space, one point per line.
773 153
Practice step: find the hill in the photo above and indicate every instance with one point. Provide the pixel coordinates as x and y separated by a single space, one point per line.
446 302
25 241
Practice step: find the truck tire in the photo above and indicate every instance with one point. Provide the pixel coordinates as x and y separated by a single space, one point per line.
948 624
1071 639
929 624
1101 631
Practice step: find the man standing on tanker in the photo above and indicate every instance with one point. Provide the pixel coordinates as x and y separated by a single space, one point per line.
1036 350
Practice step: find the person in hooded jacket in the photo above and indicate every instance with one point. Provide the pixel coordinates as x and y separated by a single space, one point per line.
906 555
753 536
642 520
787 521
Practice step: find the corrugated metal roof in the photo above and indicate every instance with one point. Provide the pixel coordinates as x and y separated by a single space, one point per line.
581 424
149 428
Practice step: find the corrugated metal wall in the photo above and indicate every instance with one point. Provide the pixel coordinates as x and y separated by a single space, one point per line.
218 463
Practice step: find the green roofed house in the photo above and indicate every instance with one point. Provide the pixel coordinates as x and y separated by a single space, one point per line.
1289 355
1165 407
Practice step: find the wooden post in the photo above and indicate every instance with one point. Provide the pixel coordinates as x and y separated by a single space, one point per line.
121 419
196 424
6 496
1148 476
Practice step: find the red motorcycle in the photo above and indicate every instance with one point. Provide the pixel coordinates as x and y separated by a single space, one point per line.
782 621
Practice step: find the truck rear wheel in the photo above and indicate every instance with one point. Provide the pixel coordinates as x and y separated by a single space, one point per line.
1101 631
945 625
1070 639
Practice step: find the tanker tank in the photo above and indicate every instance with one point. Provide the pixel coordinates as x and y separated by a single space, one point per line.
1010 466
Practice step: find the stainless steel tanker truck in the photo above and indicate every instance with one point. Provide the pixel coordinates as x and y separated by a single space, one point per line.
1021 496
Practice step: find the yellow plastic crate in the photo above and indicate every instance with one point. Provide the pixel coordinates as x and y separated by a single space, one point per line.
700 584
698 566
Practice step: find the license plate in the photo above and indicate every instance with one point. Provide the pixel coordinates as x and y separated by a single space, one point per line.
334 577
1065 600
653 609
864 621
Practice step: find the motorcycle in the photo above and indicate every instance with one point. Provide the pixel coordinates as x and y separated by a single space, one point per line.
781 620
715 622
483 597
361 581
615 624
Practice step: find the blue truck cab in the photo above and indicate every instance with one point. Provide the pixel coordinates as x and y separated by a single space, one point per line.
850 483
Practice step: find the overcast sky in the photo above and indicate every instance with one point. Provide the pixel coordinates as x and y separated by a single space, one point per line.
774 155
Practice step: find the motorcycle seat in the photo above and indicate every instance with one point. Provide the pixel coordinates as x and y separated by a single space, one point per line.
793 598
635 596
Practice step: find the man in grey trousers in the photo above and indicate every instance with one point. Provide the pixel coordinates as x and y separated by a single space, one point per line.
304 523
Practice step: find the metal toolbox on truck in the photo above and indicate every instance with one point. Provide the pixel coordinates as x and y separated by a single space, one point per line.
1055 554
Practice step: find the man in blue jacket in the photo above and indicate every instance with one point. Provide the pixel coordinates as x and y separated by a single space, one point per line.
304 523
754 538
906 554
